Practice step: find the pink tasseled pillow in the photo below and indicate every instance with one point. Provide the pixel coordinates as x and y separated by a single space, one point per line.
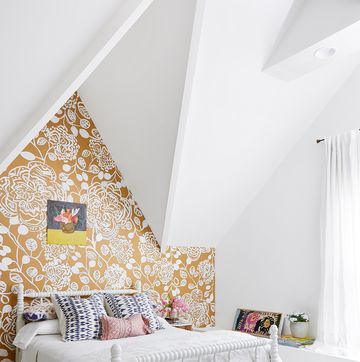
116 328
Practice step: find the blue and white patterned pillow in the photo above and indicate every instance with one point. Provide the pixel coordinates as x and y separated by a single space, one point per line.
35 316
123 306
80 319
39 311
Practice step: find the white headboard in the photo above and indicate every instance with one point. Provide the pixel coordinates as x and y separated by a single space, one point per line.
21 295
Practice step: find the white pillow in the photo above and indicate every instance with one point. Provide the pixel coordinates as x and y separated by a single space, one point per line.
60 315
30 330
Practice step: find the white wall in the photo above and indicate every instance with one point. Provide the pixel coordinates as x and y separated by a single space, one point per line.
270 258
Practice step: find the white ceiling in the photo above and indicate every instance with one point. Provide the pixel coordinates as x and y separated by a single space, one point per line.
48 49
313 21
310 26
241 122
40 40
237 122
135 97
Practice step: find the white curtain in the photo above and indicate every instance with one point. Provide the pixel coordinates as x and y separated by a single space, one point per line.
339 314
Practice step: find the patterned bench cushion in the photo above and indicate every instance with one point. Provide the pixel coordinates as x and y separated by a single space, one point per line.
124 306
79 318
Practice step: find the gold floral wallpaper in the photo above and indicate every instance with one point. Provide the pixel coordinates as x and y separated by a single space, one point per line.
68 161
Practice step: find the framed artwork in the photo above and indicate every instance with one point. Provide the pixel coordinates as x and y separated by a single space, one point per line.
66 223
257 323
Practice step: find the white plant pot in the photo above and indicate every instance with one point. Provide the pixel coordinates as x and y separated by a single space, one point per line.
299 329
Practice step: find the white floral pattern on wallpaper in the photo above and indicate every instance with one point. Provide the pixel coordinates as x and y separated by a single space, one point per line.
69 161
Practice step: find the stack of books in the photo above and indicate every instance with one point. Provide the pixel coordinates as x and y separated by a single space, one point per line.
295 342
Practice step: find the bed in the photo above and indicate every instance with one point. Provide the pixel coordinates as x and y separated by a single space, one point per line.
168 344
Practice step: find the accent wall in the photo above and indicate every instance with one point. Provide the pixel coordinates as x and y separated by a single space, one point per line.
69 161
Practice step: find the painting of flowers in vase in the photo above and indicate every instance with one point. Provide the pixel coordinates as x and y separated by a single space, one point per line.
66 223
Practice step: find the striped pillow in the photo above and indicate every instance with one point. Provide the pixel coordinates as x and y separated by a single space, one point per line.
79 318
124 306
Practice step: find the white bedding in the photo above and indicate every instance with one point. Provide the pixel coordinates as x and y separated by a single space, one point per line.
50 348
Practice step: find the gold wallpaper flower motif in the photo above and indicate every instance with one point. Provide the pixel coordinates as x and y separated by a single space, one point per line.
68 161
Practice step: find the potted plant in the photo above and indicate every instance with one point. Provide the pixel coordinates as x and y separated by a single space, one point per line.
299 324
172 308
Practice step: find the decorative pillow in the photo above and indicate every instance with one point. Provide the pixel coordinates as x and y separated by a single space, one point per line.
29 331
39 312
115 328
79 318
123 306
36 316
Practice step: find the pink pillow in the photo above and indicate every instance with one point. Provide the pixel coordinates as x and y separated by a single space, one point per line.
116 328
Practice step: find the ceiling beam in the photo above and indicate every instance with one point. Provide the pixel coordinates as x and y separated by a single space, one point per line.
184 113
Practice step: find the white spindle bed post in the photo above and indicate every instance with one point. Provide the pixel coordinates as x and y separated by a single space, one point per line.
274 347
115 353
20 307
19 314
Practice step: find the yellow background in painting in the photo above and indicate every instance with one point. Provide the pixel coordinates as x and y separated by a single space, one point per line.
59 237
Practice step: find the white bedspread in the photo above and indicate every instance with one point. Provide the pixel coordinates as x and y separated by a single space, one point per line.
50 348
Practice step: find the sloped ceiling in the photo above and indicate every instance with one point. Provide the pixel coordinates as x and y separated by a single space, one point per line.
135 95
47 50
241 122
236 122
39 41
310 26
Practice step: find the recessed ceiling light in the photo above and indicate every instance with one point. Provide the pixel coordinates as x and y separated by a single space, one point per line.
324 53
